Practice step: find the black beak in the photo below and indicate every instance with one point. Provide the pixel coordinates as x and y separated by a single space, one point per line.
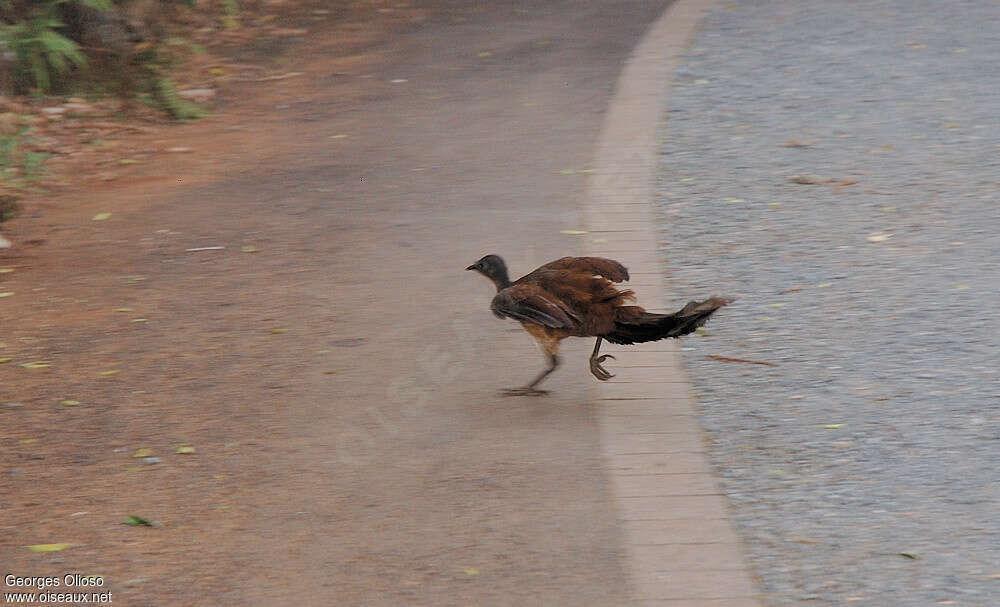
472 267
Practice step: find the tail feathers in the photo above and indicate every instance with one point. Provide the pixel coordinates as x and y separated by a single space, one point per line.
635 326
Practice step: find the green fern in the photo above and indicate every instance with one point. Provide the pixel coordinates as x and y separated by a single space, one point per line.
42 55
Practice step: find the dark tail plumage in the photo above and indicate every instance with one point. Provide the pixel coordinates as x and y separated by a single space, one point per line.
634 325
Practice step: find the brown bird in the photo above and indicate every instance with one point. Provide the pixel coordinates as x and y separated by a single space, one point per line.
576 297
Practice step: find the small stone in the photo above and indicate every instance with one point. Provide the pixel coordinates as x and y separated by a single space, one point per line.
197 95
151 460
5 244
53 111
12 405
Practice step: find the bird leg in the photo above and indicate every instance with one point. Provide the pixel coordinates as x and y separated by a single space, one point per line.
530 389
595 363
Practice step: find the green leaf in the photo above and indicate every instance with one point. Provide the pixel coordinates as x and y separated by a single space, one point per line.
136 521
48 547
185 450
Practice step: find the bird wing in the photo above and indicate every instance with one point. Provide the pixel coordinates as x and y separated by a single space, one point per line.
608 268
529 303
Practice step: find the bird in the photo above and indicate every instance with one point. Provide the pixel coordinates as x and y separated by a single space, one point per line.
577 297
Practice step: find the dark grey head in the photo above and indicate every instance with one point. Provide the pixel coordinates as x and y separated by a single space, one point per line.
492 267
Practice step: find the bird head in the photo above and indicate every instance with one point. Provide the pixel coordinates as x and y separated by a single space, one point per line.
494 268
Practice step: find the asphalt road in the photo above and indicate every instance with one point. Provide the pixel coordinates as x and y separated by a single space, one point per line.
833 166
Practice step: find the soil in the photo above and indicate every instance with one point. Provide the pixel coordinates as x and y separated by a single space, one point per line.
288 299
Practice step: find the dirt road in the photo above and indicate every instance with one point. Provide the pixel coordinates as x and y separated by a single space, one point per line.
333 366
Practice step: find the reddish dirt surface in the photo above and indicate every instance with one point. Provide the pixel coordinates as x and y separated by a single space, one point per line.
332 365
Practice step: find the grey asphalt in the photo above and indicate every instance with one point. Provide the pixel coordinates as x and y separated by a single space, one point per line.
863 465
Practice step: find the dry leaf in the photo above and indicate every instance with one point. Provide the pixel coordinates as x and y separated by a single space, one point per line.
100 216
879 236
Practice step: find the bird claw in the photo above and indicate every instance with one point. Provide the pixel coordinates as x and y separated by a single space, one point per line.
524 391
597 370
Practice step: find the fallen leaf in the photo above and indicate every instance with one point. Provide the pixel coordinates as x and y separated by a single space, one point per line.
573 232
124 310
833 426
5 360
910 555
804 540
144 452
6 270
100 217
6 294
777 305
879 236
185 450
38 364
470 571
733 200
108 372
136 521
48 547
337 136
204 249
733 359
484 54
69 403
702 331
824 285
807 179
568 172
27 441
960 287
249 249
398 80
277 331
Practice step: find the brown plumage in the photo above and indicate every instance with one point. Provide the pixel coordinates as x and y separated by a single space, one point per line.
576 297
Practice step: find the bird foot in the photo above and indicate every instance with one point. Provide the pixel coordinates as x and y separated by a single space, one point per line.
597 370
524 391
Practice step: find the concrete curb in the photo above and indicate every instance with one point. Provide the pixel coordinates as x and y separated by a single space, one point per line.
679 542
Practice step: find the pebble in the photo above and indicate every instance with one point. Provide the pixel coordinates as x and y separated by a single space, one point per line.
197 95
